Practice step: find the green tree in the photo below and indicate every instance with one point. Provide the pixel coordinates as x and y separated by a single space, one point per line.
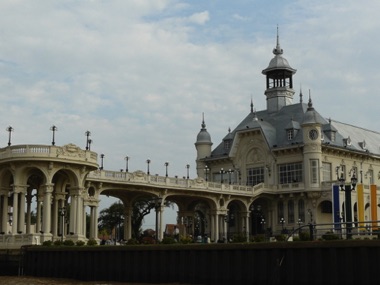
113 217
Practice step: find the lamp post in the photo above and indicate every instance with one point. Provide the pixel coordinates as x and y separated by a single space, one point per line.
221 175
229 175
187 167
53 129
263 224
282 222
126 163
147 163
347 191
62 213
157 206
9 130
102 159
206 172
166 168
87 134
89 144
299 226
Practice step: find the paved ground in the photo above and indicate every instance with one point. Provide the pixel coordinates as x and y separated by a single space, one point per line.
25 280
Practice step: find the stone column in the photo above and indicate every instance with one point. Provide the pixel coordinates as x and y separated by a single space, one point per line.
4 220
160 222
46 222
21 214
15 213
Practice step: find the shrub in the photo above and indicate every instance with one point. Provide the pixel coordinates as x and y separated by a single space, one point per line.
238 238
47 243
57 242
148 240
281 237
185 239
80 243
259 238
330 236
68 242
92 242
304 235
168 240
132 241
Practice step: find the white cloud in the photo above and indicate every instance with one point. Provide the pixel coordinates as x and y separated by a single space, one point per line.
200 18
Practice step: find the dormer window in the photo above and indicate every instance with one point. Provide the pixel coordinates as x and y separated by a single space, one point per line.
227 144
363 144
290 134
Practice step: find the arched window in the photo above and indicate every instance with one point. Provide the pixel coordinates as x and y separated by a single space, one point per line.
301 210
291 211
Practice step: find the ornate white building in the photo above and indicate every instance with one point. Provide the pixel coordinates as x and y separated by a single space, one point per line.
294 155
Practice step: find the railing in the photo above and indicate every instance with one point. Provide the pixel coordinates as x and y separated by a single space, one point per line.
66 152
341 230
140 177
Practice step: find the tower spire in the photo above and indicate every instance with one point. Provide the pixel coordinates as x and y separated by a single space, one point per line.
278 50
203 121
251 105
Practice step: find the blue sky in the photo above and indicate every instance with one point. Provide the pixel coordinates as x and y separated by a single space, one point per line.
138 74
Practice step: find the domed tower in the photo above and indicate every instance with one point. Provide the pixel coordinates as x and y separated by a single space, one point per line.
312 150
279 81
203 146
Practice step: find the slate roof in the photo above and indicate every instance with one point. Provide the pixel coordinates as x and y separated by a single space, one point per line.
274 128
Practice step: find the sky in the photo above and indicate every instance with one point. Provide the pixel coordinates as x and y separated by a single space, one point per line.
138 74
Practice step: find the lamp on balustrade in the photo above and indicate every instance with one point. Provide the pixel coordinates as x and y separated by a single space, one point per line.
53 129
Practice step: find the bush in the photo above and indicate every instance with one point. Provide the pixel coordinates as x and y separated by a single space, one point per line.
330 236
238 238
281 237
304 236
132 241
80 243
57 242
47 243
68 242
185 239
92 242
168 240
148 240
259 238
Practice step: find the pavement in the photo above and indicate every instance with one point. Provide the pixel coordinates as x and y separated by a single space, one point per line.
26 280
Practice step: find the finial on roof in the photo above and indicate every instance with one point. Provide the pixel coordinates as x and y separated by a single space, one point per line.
203 120
278 50
251 105
255 115
310 104
229 129
301 94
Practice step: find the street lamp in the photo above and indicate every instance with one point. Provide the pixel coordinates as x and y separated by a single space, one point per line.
166 168
62 213
102 159
282 222
221 175
10 130
126 163
87 134
157 206
299 226
89 144
229 175
187 167
206 172
53 129
263 224
147 163
347 191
